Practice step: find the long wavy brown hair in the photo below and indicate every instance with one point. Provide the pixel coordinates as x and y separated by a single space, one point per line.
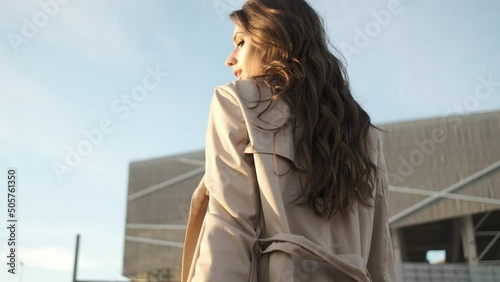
299 68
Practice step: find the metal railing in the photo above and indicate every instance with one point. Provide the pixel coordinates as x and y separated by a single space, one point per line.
413 272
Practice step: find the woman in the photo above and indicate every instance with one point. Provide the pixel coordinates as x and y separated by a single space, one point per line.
295 183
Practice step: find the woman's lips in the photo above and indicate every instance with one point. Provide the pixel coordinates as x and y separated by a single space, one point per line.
237 74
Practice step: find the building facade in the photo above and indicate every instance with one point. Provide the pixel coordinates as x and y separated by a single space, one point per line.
444 176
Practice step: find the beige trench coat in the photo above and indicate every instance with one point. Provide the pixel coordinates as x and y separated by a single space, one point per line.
243 224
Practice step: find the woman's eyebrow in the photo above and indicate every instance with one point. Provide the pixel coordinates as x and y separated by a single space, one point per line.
234 37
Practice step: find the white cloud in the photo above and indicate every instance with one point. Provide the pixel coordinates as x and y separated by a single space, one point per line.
56 258
47 257
99 249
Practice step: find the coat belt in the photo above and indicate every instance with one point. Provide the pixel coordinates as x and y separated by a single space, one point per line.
351 264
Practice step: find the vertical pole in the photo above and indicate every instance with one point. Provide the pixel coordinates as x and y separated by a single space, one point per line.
398 245
469 240
76 256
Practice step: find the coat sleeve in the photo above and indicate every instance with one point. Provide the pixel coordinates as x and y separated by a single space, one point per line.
227 243
381 259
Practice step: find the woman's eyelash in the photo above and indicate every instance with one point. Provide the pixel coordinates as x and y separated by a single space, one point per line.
241 43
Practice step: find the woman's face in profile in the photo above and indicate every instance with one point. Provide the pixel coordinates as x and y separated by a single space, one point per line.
243 59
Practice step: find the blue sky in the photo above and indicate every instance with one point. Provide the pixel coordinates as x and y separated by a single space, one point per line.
65 77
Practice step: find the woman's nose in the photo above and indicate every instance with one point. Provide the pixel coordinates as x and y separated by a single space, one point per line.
231 61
